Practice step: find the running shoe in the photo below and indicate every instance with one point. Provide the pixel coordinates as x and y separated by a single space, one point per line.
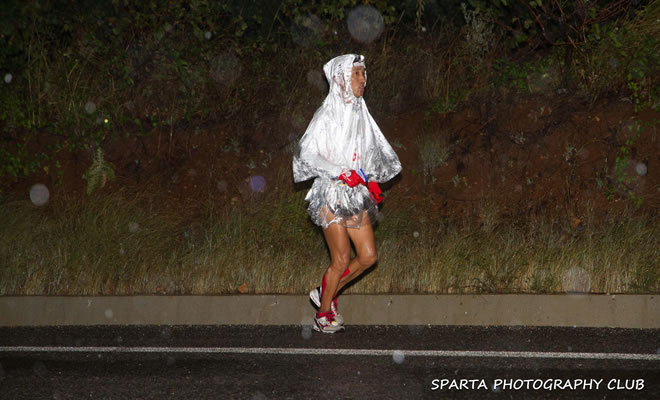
315 296
326 323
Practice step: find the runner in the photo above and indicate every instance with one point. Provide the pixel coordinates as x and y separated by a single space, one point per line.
347 155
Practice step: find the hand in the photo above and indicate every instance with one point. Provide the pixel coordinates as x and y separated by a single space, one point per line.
351 178
375 192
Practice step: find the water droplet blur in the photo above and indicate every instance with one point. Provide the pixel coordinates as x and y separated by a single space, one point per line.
306 332
398 356
99 120
306 31
133 227
39 369
39 194
208 35
258 396
166 332
317 80
415 330
614 62
108 313
90 107
496 389
365 23
576 280
257 183
120 339
225 69
415 234
641 169
8 78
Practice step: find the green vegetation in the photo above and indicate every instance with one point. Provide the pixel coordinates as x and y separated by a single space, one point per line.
117 245
95 72
79 76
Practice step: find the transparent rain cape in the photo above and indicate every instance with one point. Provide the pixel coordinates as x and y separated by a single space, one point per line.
342 135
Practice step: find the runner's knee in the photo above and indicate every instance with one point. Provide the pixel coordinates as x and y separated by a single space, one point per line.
340 263
368 258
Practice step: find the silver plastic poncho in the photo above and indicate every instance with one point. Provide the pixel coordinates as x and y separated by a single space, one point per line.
342 136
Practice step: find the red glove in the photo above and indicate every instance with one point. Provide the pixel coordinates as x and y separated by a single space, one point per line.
351 178
375 192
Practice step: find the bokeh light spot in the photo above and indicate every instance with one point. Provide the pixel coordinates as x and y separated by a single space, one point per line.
641 169
225 69
39 194
576 280
398 356
90 107
365 23
8 78
257 183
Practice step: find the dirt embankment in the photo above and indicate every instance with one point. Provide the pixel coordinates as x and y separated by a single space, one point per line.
499 160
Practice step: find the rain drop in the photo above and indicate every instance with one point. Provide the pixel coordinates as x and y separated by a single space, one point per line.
641 169
166 333
258 396
305 32
576 280
39 369
108 313
398 356
8 78
257 183
614 63
39 194
90 107
133 227
208 35
316 79
306 332
365 23
415 234
225 69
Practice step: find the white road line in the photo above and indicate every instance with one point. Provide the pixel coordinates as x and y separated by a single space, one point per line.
343 352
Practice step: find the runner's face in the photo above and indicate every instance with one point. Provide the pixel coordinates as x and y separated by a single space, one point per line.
357 81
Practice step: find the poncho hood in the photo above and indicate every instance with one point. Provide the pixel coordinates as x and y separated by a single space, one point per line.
342 133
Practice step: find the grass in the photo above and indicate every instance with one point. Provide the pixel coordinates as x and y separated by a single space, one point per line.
120 245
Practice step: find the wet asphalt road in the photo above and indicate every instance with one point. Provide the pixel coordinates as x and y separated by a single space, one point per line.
169 362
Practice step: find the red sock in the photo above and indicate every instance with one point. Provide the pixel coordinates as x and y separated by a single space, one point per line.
323 314
346 272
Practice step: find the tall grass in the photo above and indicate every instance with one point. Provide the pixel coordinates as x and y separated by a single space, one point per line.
120 245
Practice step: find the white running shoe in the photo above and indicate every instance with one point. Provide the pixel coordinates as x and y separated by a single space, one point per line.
315 296
327 323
